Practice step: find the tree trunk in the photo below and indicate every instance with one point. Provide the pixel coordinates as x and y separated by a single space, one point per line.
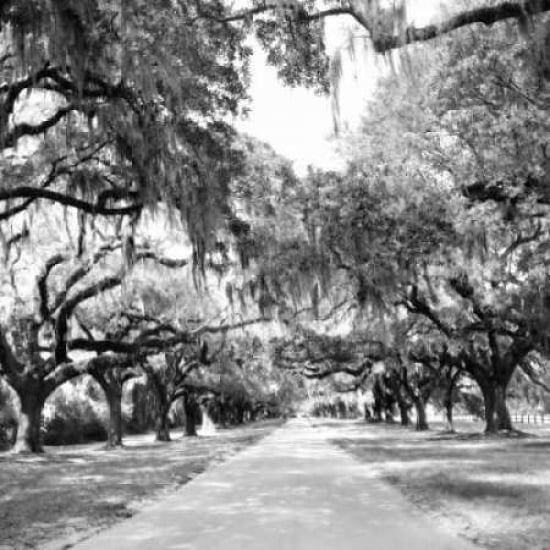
421 420
114 400
239 414
222 408
403 412
368 415
503 420
28 438
449 396
449 414
488 391
378 411
190 416
162 424
379 400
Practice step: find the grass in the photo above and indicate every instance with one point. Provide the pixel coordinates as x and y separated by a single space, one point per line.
494 491
53 501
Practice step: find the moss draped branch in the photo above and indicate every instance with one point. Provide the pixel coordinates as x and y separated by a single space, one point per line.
97 208
487 15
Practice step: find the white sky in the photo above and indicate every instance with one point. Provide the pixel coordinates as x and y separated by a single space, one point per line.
297 122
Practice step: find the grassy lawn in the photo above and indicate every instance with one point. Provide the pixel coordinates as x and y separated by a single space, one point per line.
52 501
493 491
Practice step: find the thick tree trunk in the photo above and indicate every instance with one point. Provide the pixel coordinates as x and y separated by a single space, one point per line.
421 420
114 401
488 391
28 438
111 383
162 426
190 428
503 420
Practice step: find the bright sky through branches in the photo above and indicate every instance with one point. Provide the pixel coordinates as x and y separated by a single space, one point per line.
299 123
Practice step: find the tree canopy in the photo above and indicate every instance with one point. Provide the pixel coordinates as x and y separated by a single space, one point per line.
421 265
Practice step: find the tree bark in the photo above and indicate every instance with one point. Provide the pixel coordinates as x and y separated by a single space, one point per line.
421 420
114 400
418 398
503 420
162 424
28 438
222 410
379 399
368 415
239 414
378 411
190 416
403 412
449 414
488 392
448 399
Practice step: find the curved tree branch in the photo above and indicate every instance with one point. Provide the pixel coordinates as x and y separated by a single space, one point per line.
42 285
99 208
81 271
24 129
487 15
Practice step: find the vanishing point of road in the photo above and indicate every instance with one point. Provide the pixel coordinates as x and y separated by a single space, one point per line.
294 490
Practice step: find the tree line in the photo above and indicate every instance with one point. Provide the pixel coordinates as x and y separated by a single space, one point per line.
114 121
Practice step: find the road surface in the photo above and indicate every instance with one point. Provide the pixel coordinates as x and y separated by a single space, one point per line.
292 491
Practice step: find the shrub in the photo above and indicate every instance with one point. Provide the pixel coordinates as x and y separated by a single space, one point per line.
73 419
473 403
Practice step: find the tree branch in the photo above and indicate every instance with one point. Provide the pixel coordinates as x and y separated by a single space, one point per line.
151 340
99 208
528 368
25 129
417 305
42 285
488 15
66 310
69 370
81 271
166 262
